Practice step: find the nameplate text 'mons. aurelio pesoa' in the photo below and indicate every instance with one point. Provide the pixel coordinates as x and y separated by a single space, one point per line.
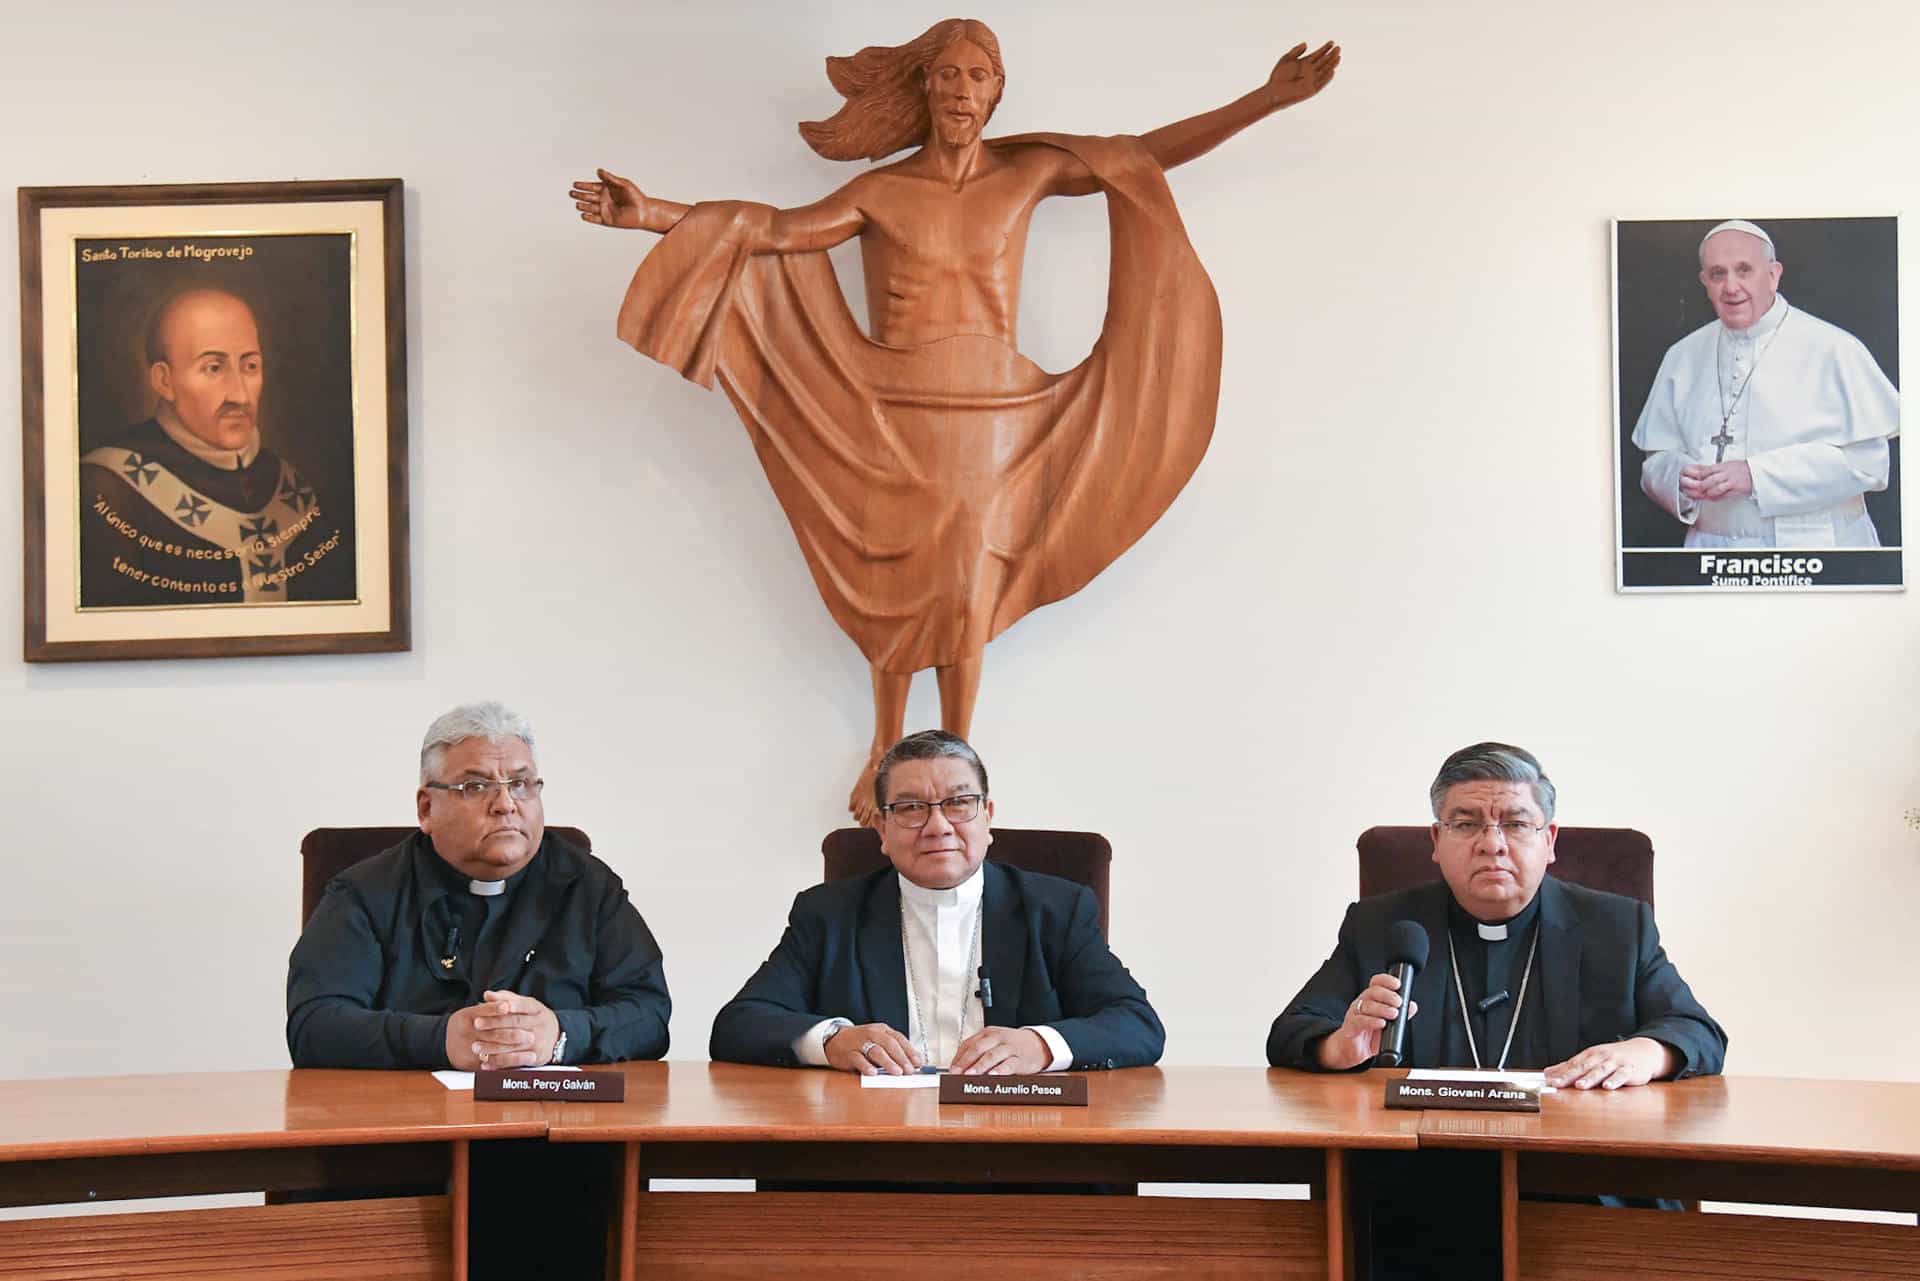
1046 1090
550 1085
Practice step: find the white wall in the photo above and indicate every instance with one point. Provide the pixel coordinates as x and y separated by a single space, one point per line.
1399 542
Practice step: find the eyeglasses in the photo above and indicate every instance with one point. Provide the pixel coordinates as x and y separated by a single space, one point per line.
958 809
1513 829
478 789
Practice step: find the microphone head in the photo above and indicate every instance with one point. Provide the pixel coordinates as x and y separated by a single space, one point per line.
1407 941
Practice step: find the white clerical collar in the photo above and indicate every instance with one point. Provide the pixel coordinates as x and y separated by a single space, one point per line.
1766 324
224 459
1492 931
487 889
965 894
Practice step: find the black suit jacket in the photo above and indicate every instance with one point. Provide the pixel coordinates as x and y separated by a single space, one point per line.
1601 971
365 988
840 958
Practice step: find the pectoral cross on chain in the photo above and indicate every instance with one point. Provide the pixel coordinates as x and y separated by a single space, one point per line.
1729 405
1721 442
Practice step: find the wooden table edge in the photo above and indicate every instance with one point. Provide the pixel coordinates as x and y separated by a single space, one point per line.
67 1149
1669 1150
563 1130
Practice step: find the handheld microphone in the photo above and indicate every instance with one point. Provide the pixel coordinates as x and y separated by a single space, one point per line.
1407 948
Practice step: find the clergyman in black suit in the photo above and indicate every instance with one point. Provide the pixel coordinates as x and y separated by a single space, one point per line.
1591 997
941 958
1524 972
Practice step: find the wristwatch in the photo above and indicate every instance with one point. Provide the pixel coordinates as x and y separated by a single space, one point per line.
559 1049
838 1026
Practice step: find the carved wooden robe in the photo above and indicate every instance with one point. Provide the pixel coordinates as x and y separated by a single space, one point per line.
942 491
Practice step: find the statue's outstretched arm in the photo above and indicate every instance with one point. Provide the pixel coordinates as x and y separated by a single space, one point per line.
618 202
1296 77
614 201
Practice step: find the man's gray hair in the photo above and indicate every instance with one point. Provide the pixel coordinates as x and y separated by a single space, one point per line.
1737 224
494 722
1495 762
927 745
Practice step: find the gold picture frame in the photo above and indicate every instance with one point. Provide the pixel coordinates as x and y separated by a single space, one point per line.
214 420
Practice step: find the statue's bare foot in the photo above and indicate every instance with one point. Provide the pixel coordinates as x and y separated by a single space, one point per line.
860 804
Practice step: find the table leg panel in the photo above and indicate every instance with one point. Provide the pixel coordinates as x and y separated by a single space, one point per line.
735 1236
1592 1243
391 1239
1336 1192
1509 1216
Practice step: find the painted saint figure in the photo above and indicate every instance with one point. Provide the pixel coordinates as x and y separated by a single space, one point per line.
190 507
941 484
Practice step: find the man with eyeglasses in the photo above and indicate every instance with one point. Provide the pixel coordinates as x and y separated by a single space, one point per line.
1766 426
1525 971
481 941
941 959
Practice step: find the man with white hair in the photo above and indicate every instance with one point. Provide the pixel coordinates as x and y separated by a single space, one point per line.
482 940
1765 426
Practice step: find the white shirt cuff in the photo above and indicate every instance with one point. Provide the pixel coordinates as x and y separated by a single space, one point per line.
1057 1044
807 1046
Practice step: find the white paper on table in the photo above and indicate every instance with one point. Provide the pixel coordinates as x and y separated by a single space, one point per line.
912 1081
1525 1080
464 1080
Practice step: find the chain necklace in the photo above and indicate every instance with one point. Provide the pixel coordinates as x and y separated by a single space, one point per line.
1728 405
1512 1027
913 1002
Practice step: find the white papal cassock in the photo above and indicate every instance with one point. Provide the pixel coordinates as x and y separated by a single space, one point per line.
1812 423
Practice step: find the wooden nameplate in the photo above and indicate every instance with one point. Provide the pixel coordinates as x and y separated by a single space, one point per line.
1041 1089
550 1085
1467 1091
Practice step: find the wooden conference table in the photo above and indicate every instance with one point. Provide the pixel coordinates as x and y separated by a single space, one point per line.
1845 1144
86 1139
1189 1125
1811 1142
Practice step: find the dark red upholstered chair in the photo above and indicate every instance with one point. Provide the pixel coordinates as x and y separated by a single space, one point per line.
1082 857
1617 859
325 852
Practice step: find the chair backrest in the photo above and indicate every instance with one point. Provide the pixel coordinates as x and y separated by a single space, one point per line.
325 852
1618 859
1082 857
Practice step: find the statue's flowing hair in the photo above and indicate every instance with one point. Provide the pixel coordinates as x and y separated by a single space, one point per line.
886 92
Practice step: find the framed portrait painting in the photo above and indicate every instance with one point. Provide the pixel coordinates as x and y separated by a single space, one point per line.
1757 404
214 420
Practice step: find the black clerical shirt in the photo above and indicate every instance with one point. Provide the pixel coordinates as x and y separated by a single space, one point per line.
1487 968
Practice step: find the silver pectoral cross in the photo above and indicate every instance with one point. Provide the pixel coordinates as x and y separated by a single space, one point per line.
1720 442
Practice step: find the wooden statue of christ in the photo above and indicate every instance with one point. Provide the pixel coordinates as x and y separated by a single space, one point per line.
941 485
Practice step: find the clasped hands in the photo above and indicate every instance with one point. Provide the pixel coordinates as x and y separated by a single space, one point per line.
1634 1061
873 1048
1706 482
506 1030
